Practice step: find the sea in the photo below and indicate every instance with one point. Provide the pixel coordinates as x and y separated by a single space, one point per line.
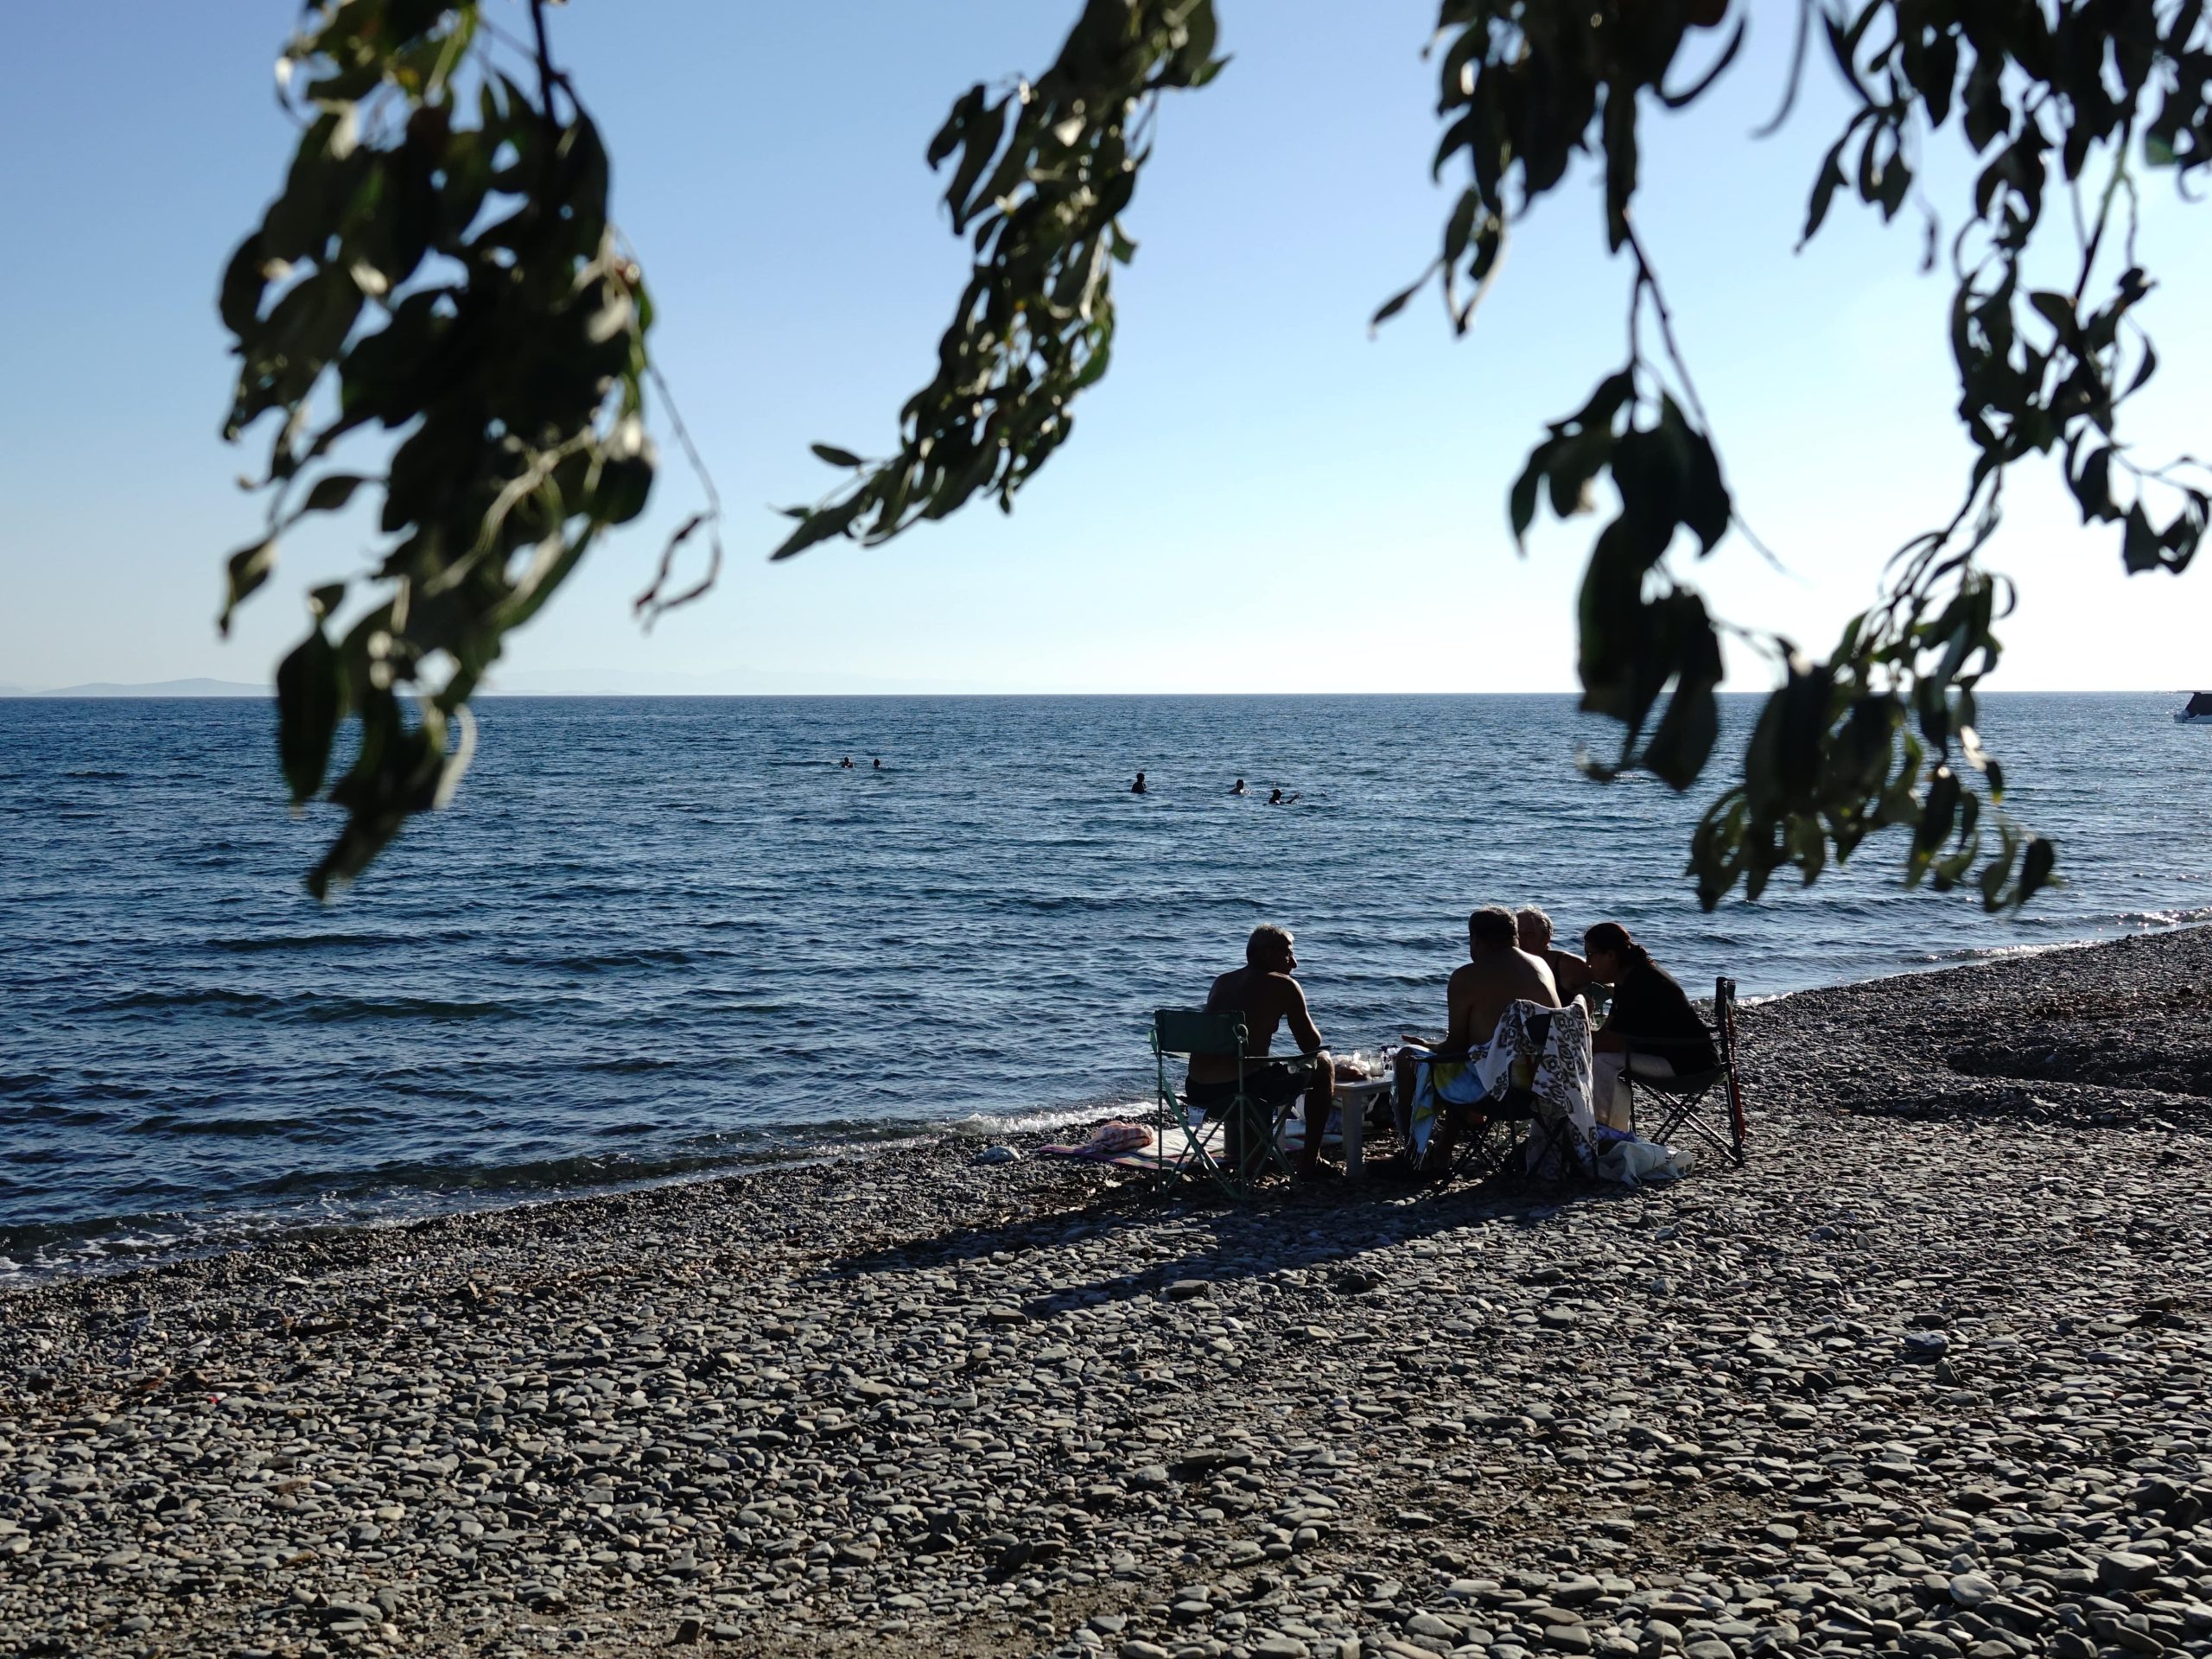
653 939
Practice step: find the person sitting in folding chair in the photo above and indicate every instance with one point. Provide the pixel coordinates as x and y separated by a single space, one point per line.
1265 993
1495 975
1533 929
1651 1014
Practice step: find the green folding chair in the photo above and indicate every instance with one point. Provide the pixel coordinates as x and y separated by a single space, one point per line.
1230 1142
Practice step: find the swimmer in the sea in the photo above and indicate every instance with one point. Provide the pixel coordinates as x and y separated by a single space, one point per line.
845 764
879 763
1236 788
1137 788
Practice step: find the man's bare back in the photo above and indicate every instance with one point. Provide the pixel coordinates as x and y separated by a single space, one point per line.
1265 993
1266 999
1480 993
1497 974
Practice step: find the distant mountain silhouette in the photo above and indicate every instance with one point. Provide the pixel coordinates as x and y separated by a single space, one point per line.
727 683
151 689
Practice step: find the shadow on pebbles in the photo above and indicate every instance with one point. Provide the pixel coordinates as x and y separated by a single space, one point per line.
1928 1377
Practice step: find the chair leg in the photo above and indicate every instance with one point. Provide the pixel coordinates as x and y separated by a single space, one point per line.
1689 1115
1194 1157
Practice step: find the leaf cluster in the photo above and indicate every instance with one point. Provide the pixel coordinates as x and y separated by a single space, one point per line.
2052 101
1041 173
1638 631
1875 738
439 265
2053 97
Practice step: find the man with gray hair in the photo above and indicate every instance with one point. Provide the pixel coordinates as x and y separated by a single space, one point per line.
1533 931
1265 993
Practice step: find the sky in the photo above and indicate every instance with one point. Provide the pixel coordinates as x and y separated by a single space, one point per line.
1260 497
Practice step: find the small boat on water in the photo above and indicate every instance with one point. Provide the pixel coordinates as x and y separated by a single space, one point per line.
2198 712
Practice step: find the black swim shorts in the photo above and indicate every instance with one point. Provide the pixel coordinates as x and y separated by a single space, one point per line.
1272 1082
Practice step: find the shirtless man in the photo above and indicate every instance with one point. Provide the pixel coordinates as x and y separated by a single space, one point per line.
1570 973
1265 993
1497 973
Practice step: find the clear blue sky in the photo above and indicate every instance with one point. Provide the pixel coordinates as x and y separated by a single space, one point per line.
1259 498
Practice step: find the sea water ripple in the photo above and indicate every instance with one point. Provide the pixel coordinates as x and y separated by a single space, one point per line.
659 938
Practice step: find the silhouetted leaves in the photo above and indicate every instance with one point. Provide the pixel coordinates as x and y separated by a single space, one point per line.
1867 741
456 279
442 262
1044 173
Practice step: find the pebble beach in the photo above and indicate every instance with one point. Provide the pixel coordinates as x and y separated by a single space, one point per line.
1930 1376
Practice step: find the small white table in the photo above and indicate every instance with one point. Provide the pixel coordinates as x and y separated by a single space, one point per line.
1351 1118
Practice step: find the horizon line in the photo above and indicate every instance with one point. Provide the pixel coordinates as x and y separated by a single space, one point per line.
242 691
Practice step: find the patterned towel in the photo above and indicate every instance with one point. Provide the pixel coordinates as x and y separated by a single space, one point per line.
1560 1064
1561 1068
1110 1140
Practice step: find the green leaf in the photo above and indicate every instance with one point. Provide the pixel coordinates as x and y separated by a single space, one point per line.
1520 507
2056 309
834 456
243 572
331 492
1683 740
1707 506
1829 181
1939 813
2143 371
624 484
2140 548
965 109
1575 461
2093 485
818 526
1890 190
1619 140
984 132
310 702
239 302
1397 303
1987 115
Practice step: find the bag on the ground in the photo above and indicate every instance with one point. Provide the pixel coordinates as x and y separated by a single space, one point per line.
1634 1163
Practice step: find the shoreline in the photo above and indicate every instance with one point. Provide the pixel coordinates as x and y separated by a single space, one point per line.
1931 1374
809 1144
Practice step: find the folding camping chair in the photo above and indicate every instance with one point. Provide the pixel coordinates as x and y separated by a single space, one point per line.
1679 1102
1231 1142
1501 1135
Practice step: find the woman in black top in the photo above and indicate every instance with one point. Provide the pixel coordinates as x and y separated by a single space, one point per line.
1650 1013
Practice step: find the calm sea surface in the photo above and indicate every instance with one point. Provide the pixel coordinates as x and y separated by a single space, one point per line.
660 936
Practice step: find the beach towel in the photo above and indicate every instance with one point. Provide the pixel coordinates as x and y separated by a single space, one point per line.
1108 1143
1437 1084
1560 1064
1559 1086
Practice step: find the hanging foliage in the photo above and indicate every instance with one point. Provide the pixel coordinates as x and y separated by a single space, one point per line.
441 264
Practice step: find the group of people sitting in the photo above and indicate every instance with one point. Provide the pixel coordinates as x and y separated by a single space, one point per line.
1649 1028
